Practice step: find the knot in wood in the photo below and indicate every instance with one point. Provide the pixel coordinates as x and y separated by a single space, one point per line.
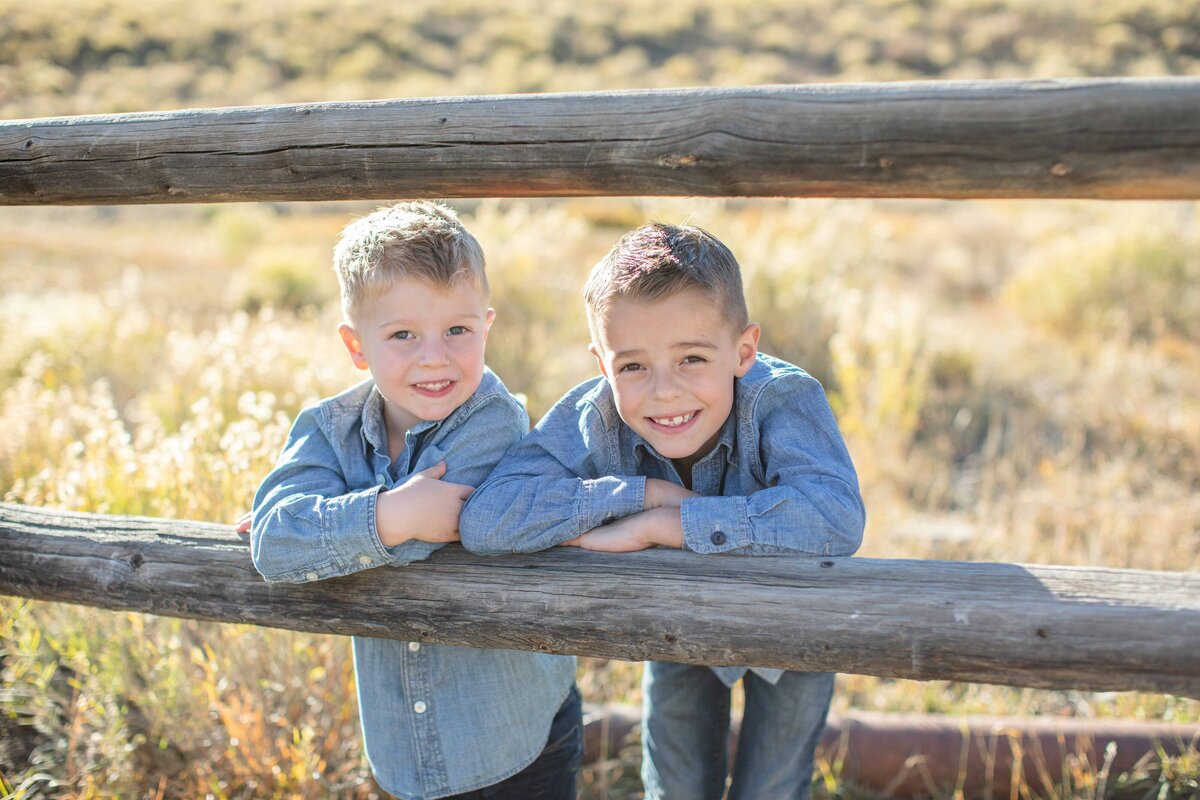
677 160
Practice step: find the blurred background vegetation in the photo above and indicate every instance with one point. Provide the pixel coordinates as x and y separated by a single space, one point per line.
1018 381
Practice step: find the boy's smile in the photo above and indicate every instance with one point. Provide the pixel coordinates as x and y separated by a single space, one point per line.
671 363
424 346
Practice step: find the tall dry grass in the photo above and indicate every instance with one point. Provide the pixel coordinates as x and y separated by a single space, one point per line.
999 406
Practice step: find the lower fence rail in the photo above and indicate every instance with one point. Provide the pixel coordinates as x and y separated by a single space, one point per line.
1020 625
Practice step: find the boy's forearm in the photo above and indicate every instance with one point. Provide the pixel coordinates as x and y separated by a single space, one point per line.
660 527
526 513
299 537
825 518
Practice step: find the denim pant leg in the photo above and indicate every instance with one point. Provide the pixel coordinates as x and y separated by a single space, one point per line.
552 774
781 728
685 727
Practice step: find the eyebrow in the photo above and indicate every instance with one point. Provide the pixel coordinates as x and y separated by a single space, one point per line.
401 321
699 343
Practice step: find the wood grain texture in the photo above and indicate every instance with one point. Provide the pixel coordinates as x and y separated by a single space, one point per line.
1091 138
1041 626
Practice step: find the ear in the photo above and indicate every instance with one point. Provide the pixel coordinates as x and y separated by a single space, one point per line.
747 348
353 345
599 354
488 319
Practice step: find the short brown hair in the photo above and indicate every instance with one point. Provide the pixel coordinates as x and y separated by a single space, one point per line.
656 261
417 239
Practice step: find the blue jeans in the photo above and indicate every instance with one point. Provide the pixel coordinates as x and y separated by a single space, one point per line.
685 728
552 774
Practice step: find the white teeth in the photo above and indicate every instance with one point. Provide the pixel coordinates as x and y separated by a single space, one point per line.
673 422
433 387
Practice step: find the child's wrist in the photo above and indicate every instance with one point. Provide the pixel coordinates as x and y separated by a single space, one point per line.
389 526
667 527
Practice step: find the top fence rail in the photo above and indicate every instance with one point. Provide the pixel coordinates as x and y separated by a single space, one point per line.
1105 139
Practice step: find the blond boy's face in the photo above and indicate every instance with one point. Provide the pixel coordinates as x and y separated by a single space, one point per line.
424 346
672 363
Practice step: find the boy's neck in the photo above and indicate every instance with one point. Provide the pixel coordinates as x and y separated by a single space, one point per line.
684 465
395 434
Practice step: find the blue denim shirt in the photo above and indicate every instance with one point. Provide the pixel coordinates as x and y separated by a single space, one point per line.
436 719
779 479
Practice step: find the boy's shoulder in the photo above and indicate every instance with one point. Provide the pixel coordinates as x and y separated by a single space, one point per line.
772 377
588 404
491 392
768 369
347 403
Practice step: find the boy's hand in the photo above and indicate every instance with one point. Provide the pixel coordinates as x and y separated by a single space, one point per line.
242 526
660 526
424 507
664 494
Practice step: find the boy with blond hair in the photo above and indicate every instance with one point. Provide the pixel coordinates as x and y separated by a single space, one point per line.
691 439
377 476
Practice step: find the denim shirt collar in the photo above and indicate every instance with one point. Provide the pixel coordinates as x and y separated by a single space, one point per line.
374 429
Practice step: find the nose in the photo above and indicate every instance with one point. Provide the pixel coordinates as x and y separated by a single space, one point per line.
665 387
433 353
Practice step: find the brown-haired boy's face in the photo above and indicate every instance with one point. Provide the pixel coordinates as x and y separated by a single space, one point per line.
671 363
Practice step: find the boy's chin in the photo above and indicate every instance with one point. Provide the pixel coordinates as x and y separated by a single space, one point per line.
669 448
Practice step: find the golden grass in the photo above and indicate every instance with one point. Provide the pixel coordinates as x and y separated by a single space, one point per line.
134 383
1017 381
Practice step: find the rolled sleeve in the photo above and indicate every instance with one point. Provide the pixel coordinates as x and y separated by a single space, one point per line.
298 537
306 524
608 499
715 524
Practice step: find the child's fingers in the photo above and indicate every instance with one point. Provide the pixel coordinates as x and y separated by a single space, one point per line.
243 523
571 542
435 472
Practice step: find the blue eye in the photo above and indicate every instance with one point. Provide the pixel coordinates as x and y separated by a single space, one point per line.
402 335
458 330
694 359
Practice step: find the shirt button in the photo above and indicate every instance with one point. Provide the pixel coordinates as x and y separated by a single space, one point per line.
414 646
310 576
420 706
364 559
718 538
381 478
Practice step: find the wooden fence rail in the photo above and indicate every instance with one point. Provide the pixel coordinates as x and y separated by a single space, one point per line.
1053 627
1110 138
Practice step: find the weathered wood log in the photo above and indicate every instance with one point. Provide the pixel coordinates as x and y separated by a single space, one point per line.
1096 138
1042 626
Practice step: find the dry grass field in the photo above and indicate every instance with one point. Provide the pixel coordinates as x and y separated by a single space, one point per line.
1017 381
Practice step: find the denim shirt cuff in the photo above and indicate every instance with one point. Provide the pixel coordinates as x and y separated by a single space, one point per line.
610 498
715 524
354 538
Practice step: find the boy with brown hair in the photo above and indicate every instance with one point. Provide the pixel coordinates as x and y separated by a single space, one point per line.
377 476
692 439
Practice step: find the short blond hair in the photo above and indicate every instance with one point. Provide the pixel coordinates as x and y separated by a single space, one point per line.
416 239
657 261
